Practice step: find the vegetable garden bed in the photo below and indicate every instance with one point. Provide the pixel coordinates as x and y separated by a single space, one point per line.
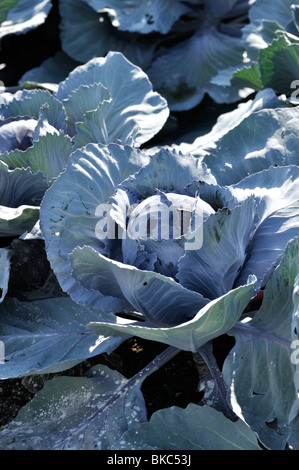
149 225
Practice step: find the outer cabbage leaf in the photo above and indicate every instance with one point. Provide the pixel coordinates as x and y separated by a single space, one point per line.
86 34
19 16
276 192
258 35
15 221
160 299
224 8
69 208
213 320
276 221
47 336
184 81
79 413
206 143
193 428
133 101
259 369
48 154
280 11
213 269
263 139
141 16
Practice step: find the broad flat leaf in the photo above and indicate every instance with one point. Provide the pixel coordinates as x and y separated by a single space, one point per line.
141 16
213 320
193 428
69 208
49 154
51 72
160 299
49 335
206 143
86 34
220 8
78 413
263 139
259 370
20 194
226 236
280 11
4 272
184 80
19 16
133 100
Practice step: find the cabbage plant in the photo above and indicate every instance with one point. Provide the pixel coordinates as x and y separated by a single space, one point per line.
174 246
181 45
179 245
189 49
105 238
108 99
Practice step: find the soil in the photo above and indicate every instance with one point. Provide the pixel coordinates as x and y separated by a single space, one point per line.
174 384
